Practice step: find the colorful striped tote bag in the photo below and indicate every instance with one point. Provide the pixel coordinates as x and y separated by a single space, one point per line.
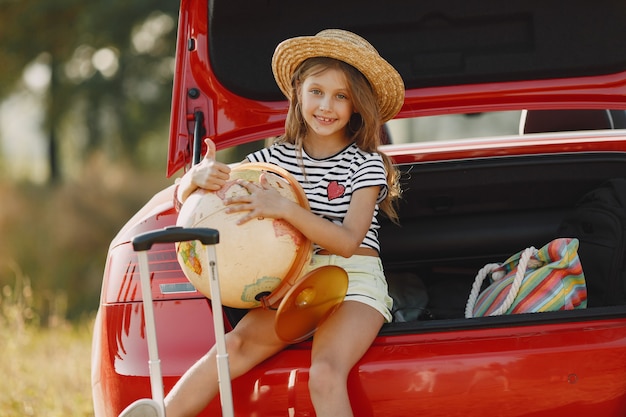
531 281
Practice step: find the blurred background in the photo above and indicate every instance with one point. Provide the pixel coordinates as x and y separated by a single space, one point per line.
85 90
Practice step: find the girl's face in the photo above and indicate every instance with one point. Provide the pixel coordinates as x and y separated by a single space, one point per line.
326 104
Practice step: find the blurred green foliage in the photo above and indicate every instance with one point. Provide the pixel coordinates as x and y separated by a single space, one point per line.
110 65
105 106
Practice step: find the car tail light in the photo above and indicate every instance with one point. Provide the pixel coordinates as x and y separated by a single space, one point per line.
121 276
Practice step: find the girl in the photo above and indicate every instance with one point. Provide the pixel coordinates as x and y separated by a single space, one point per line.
341 92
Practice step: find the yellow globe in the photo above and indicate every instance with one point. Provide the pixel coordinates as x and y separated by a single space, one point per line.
253 259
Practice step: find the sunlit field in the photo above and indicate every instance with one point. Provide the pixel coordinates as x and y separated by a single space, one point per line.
44 371
52 256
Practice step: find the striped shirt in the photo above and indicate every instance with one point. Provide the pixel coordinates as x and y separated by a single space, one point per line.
330 182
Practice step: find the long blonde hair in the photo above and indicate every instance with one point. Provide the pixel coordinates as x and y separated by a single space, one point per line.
364 128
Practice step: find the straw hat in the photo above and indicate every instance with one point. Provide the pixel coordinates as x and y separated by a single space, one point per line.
350 48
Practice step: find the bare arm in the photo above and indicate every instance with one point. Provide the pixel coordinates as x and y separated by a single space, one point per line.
341 240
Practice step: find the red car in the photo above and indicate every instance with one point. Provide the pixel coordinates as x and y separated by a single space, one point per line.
514 110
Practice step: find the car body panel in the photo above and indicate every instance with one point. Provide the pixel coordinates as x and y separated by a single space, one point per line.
539 370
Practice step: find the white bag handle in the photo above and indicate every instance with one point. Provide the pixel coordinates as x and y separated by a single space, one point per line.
517 282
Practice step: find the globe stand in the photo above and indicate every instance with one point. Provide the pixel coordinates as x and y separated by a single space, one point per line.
309 302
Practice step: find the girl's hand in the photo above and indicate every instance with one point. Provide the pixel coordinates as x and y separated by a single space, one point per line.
261 202
208 174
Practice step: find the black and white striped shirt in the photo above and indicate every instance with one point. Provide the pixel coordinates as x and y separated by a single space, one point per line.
330 182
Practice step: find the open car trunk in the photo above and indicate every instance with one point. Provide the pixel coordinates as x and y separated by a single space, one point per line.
457 216
457 213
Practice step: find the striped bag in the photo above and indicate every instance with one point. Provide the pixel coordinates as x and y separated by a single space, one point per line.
531 281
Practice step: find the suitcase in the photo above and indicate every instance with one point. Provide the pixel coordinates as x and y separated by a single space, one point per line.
141 244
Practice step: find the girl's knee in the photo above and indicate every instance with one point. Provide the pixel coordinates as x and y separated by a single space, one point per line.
234 343
324 376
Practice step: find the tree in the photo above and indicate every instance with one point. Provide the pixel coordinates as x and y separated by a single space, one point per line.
110 62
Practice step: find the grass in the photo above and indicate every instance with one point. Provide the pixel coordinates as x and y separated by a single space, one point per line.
44 369
52 255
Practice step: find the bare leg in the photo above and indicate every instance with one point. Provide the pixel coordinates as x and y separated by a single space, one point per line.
252 341
337 346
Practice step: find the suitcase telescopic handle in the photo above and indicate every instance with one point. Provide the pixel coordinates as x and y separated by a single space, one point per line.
173 234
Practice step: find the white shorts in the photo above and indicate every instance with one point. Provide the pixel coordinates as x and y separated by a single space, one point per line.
366 280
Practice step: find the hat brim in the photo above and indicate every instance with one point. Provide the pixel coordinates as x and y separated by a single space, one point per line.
386 82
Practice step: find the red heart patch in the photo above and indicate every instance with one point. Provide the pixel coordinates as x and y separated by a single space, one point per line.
335 190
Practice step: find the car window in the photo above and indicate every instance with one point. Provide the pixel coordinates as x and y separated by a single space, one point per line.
476 125
454 126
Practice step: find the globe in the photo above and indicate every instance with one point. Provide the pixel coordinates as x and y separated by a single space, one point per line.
254 259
